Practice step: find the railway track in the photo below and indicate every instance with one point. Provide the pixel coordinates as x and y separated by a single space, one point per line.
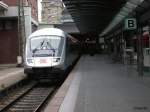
28 99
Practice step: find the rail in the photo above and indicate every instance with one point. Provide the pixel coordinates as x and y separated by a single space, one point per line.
30 98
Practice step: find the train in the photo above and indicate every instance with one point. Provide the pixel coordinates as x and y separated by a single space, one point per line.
49 52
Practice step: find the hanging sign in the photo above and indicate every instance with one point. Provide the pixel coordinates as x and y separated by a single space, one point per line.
130 24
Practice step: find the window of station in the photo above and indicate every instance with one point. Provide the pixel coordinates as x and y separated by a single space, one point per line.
8 25
1 25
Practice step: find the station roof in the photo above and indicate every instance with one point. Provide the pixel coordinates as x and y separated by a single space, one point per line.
127 9
99 16
93 15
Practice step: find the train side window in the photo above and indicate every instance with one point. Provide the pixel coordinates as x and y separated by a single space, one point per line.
70 45
67 44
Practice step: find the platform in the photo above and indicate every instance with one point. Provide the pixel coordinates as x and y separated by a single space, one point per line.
98 85
10 76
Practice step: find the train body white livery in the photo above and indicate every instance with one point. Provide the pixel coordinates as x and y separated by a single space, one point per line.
48 51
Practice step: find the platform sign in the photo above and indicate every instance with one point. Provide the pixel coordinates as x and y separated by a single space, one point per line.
130 24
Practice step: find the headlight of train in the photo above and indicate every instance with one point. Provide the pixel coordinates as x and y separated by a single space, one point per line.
56 59
30 61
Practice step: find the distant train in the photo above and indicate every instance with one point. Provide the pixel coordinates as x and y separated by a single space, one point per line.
50 51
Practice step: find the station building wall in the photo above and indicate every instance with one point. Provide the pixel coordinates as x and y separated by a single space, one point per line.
8 41
31 3
9 45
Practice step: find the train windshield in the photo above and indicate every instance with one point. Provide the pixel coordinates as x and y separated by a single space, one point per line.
47 46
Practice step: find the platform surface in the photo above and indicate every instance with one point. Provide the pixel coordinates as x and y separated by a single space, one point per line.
10 76
102 86
11 70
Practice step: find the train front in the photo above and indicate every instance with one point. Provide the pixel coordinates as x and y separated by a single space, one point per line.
44 53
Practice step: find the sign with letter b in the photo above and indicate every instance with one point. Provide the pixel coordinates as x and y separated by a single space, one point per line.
130 24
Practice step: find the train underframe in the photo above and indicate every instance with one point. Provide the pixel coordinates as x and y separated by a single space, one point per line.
47 73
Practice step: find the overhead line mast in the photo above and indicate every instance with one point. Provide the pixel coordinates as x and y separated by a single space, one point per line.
21 32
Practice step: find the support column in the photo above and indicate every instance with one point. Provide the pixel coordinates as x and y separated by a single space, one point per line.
115 48
122 46
139 48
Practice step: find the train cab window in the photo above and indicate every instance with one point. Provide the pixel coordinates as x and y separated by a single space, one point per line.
45 44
